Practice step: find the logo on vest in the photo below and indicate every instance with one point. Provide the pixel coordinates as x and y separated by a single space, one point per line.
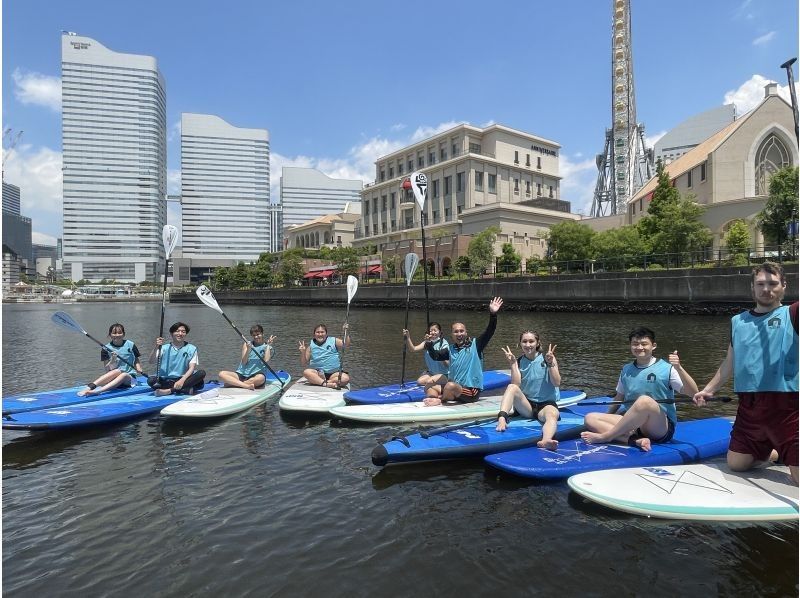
774 322
651 377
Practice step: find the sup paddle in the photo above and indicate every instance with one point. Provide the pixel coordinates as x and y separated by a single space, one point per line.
419 185
64 320
207 297
667 401
352 288
411 263
169 236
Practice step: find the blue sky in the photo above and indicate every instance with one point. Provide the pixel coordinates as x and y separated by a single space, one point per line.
339 84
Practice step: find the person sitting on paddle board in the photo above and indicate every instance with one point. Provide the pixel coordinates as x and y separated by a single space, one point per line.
646 386
118 373
436 374
321 360
250 374
466 362
178 372
533 391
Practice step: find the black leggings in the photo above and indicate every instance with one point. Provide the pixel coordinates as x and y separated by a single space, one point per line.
194 383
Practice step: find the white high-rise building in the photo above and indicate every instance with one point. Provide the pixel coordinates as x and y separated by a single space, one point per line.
307 193
224 189
115 161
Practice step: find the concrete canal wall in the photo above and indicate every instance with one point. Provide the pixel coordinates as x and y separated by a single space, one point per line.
691 291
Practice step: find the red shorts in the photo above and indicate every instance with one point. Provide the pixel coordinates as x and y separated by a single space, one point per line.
766 421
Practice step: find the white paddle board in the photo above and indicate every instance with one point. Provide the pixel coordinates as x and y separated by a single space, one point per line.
700 491
311 398
222 401
417 411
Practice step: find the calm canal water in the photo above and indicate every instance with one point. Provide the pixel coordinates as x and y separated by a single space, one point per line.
264 505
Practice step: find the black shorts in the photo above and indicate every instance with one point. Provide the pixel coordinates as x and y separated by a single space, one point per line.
469 394
329 375
536 407
665 438
245 378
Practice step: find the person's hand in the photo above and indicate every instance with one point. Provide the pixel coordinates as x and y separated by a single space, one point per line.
302 346
405 333
674 360
495 305
550 356
345 326
272 338
701 396
159 341
509 354
178 385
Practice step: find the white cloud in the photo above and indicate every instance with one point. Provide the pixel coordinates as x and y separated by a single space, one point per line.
43 239
578 183
748 95
173 181
651 140
38 175
38 89
764 39
174 131
397 127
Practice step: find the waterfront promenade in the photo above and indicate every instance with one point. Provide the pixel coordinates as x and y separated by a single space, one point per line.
690 291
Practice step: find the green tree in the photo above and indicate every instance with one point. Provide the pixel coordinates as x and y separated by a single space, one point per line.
462 264
510 260
570 240
222 278
678 228
347 261
389 266
290 267
781 207
259 275
480 250
737 239
620 245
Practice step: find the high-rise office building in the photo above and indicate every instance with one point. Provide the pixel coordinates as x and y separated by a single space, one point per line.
11 198
275 227
115 161
307 193
224 189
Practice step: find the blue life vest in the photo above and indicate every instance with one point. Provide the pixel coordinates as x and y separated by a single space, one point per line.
536 385
124 352
465 365
652 381
325 357
175 362
437 367
254 365
764 352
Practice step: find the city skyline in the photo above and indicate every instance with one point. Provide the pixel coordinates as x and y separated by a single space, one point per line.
334 100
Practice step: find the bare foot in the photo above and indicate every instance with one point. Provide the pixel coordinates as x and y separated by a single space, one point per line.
592 438
550 445
83 393
501 426
250 386
644 444
163 392
432 402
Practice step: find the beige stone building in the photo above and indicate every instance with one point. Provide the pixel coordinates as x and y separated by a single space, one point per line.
477 177
729 172
331 230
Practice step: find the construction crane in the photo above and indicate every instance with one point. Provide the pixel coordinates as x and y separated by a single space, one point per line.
7 134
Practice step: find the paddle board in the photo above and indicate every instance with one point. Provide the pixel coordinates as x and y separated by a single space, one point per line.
310 398
693 440
225 401
470 440
703 491
411 391
66 396
399 413
104 411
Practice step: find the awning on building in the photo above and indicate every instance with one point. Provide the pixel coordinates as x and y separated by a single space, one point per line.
376 269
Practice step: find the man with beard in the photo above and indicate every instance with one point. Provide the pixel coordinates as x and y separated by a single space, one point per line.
465 377
763 359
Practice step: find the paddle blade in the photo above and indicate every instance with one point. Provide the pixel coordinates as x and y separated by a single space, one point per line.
352 287
419 185
207 297
64 320
170 237
411 263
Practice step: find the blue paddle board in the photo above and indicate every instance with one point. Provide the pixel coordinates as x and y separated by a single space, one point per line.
693 440
104 411
66 396
412 392
470 440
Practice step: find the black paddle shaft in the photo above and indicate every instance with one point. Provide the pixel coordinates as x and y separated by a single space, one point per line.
278 378
161 325
405 340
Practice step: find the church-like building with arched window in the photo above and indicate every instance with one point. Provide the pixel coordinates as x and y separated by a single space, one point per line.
729 172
